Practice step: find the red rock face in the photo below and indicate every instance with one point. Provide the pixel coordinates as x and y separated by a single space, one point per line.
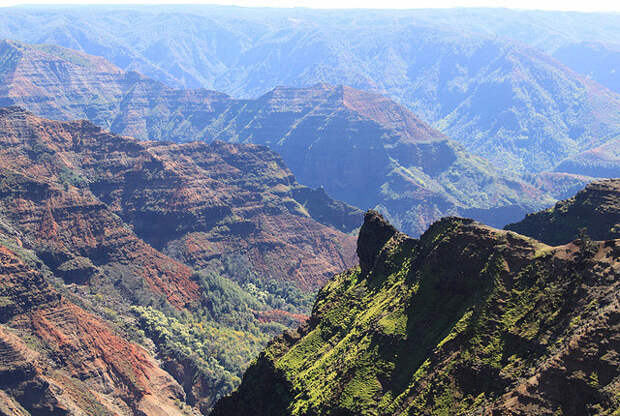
62 222
74 361
58 83
196 201
99 213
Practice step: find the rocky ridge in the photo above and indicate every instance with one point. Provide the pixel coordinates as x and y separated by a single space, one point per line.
593 211
466 319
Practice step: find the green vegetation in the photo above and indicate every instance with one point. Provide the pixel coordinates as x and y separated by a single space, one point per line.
284 295
217 337
572 218
442 326
220 353
175 247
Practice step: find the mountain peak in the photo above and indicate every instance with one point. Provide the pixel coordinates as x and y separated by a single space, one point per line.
12 45
368 105
35 55
375 232
9 43
389 114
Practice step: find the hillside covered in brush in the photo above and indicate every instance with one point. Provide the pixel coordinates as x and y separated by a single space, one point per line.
522 88
362 148
466 320
594 211
115 251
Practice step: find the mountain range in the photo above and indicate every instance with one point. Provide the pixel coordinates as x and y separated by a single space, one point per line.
181 189
132 283
444 66
141 277
360 147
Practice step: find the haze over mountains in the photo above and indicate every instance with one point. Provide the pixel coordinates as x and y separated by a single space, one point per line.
444 66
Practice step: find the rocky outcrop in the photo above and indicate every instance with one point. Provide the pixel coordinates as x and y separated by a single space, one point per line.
22 288
372 238
467 319
594 211
71 229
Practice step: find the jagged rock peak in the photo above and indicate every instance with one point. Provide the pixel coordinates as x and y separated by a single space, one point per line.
13 109
375 232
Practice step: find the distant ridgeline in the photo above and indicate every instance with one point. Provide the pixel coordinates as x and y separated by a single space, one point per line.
530 90
467 319
360 147
594 211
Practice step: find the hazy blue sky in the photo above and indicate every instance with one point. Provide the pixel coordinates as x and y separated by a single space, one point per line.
581 5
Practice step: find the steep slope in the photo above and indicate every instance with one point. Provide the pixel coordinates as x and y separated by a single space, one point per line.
58 82
57 359
199 252
369 151
446 66
468 319
64 84
541 111
594 211
559 185
208 200
597 60
363 148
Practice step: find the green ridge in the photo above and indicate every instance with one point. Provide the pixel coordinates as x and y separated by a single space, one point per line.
457 322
